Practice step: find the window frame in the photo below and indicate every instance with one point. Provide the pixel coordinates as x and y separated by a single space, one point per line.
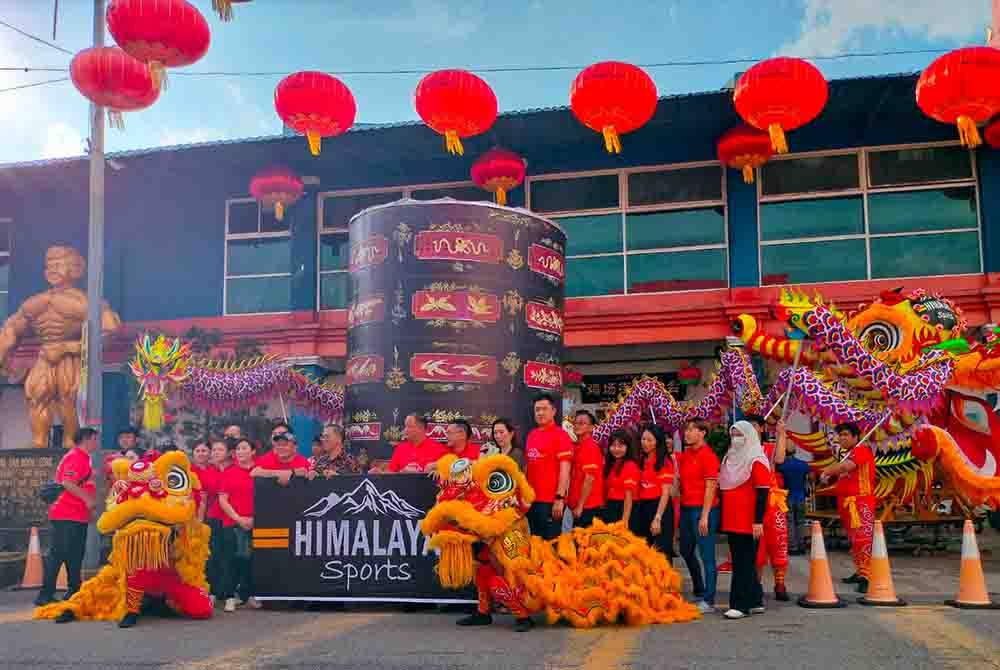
864 190
249 236
8 221
624 209
405 191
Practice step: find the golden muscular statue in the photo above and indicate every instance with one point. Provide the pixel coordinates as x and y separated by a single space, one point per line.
56 317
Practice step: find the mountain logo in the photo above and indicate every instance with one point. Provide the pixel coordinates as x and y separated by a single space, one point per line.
364 498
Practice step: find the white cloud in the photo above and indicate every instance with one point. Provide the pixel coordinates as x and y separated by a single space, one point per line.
61 141
174 136
832 26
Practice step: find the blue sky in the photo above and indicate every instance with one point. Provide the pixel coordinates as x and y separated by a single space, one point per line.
342 35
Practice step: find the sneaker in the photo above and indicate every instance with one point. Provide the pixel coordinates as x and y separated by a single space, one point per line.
757 610
41 600
129 620
853 579
523 625
781 595
252 603
476 619
726 567
704 607
863 585
734 614
230 605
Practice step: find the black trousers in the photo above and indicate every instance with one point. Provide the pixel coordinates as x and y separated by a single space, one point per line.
587 517
645 513
239 569
745 592
541 523
69 542
217 569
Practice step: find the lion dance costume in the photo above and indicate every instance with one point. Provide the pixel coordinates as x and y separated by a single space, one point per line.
159 548
595 575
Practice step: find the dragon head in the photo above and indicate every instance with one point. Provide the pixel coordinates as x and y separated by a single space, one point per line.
148 501
792 308
158 363
478 502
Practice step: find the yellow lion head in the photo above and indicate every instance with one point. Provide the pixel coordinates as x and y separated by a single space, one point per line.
159 491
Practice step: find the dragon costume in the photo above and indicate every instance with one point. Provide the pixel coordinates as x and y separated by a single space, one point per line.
595 575
159 547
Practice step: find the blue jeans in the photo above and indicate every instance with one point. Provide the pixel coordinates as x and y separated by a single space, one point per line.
689 539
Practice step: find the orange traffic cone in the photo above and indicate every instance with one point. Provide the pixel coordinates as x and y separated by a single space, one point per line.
34 569
881 591
821 593
972 593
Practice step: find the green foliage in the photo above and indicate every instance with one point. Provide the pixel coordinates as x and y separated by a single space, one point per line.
718 439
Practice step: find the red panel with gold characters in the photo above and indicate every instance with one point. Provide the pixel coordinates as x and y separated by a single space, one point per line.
547 262
456 306
447 245
368 252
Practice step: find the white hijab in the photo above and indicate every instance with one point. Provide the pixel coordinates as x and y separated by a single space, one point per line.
738 462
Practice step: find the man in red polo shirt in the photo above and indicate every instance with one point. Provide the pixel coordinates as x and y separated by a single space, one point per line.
698 469
549 456
459 434
417 451
70 515
283 461
586 487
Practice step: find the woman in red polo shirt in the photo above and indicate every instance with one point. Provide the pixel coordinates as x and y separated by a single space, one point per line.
621 480
745 478
236 501
655 513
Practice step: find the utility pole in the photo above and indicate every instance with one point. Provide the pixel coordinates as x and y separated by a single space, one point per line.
994 38
92 404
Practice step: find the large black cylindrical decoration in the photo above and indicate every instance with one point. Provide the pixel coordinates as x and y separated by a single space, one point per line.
457 313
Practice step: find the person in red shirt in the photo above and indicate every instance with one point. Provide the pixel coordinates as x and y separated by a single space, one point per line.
283 462
744 478
698 472
211 484
201 465
549 455
656 480
773 547
417 451
586 484
621 480
459 434
70 515
236 501
855 476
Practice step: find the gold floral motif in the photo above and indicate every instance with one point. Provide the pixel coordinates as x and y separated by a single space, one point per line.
479 305
395 379
487 419
440 303
450 227
546 377
516 221
393 434
444 286
445 416
513 302
515 260
402 235
364 416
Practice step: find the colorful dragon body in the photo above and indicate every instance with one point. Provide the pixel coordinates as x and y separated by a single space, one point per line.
595 575
159 547
161 365
900 366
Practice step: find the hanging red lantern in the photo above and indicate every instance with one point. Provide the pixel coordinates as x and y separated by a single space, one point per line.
498 171
316 105
613 98
962 87
456 104
224 8
160 33
276 188
109 77
992 134
689 374
779 95
744 148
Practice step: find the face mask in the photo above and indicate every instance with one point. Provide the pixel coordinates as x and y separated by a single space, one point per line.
738 441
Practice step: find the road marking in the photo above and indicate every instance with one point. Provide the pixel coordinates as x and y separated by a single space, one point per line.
610 648
261 651
952 644
16 616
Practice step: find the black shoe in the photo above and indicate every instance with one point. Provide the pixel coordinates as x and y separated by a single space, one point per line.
863 585
65 616
523 625
853 579
68 595
781 595
42 601
128 620
476 619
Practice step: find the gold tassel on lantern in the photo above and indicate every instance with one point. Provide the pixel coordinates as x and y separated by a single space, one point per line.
314 141
778 141
612 142
968 133
453 143
748 173
158 73
501 193
279 210
116 119
224 8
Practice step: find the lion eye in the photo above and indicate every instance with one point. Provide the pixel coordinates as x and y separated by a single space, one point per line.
177 479
499 482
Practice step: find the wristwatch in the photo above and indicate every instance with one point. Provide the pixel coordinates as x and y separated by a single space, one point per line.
560 497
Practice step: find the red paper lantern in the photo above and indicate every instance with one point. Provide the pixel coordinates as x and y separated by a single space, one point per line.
276 188
744 148
992 134
109 77
613 98
160 33
456 104
689 374
962 87
779 95
315 105
224 8
498 171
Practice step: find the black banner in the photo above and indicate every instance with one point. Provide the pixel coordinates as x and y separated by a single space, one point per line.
351 538
607 388
22 473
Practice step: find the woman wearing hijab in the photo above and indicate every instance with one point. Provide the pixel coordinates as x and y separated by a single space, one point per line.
744 478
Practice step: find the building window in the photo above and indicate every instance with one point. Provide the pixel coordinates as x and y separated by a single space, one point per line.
645 230
6 242
873 213
335 212
258 260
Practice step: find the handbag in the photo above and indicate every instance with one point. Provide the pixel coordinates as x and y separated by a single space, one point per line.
50 492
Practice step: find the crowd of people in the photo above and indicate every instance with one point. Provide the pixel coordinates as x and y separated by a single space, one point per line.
755 494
